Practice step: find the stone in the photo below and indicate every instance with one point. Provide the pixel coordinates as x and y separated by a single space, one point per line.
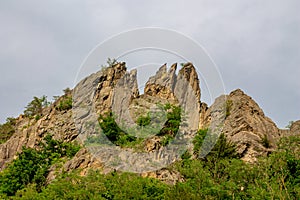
246 125
162 83
113 89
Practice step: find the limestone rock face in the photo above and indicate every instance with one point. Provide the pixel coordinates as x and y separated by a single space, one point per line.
165 175
125 90
30 132
152 144
114 89
104 81
295 128
247 126
188 72
163 83
184 88
187 91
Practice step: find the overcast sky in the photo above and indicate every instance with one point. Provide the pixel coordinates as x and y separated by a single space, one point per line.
255 44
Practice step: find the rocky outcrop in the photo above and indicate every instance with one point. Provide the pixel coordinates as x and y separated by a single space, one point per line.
102 84
247 126
188 73
162 84
29 132
114 89
184 88
170 177
187 91
295 128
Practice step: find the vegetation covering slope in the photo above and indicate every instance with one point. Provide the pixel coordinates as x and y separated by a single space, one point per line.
221 175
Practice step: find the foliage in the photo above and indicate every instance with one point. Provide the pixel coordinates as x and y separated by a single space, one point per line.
144 120
228 106
166 139
289 124
67 91
32 165
7 129
113 132
118 137
65 103
173 120
109 63
98 186
35 107
198 140
274 177
265 141
221 149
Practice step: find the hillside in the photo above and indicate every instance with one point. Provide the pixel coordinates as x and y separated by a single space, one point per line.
251 158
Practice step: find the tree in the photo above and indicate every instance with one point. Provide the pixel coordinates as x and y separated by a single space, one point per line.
289 125
32 165
35 107
7 129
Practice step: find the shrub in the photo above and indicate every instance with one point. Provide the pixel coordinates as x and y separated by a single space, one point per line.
113 132
65 103
228 106
265 141
99 186
198 140
35 107
144 120
172 124
272 177
222 148
7 129
32 165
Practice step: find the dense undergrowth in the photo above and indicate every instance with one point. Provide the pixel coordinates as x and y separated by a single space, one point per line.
220 175
121 138
32 165
7 129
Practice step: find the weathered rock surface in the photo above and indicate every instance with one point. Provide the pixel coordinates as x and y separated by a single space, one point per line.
244 122
30 132
184 88
168 176
295 128
247 126
163 83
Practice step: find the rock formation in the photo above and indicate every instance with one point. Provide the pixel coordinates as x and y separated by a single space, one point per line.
245 124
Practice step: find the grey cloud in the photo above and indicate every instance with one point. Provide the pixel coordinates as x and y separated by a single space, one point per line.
255 43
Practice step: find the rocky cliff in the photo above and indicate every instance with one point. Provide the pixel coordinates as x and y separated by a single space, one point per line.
245 123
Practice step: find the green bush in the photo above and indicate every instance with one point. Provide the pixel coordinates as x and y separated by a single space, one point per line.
144 120
266 142
7 129
65 103
118 137
113 132
98 186
221 149
35 107
273 177
172 124
228 106
198 140
32 165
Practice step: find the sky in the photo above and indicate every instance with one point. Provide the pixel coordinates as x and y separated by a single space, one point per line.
255 45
